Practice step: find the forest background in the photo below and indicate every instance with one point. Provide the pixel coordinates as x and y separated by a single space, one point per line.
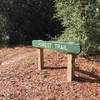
78 21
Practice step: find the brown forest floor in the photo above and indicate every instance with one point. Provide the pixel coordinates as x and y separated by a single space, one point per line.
20 78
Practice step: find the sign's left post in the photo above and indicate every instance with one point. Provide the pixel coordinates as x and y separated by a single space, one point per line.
40 58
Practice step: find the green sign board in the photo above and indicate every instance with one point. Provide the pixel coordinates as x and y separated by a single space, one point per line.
68 47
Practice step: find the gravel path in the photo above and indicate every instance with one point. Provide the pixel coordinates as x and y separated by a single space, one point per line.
21 80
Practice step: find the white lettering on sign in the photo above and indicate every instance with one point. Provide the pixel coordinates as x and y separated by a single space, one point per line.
46 45
57 46
68 47
62 47
51 45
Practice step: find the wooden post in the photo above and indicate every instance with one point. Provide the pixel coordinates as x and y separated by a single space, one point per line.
70 67
40 58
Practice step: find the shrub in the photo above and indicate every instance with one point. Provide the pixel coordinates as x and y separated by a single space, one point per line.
79 20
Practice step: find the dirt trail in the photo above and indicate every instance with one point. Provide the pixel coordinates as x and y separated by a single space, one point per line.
17 58
21 80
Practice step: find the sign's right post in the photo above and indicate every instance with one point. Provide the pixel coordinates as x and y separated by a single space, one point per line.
70 67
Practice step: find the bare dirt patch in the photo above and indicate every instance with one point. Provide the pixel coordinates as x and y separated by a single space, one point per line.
21 80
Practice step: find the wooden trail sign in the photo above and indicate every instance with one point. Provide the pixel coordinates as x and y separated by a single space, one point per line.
66 47
71 48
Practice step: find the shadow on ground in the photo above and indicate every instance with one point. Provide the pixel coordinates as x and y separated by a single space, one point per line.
91 76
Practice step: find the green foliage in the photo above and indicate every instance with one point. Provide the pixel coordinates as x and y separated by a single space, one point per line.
4 37
70 13
79 20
